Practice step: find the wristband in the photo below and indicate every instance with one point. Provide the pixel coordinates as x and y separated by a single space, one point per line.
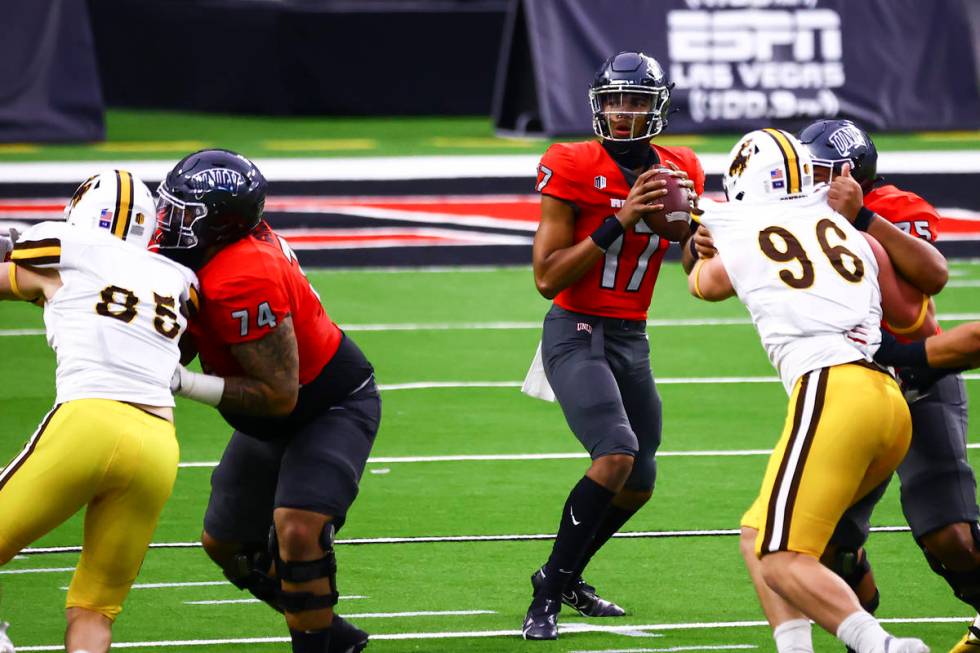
863 219
690 246
607 233
892 352
204 388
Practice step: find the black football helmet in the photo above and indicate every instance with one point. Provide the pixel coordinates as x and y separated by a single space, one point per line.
630 72
210 197
832 143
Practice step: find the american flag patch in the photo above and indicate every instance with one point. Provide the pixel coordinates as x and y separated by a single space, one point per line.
105 218
777 173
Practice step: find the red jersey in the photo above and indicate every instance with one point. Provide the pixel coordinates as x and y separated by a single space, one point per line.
905 210
908 212
621 284
247 289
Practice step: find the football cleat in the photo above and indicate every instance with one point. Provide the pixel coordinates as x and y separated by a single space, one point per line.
905 645
970 643
541 621
6 646
583 598
345 637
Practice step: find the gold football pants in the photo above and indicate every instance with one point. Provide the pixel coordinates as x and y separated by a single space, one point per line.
115 459
847 429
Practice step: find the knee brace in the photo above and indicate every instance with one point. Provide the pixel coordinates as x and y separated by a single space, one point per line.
852 565
250 571
965 584
304 571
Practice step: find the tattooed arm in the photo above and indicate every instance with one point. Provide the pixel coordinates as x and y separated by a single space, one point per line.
270 384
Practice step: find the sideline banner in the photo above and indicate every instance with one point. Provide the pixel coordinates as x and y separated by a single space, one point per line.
744 64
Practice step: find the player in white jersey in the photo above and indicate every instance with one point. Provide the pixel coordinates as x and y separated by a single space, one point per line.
809 280
113 313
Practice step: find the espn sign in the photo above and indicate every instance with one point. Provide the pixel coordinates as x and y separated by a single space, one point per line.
752 62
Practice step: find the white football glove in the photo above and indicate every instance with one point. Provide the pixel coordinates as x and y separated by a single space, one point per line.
200 387
6 646
7 246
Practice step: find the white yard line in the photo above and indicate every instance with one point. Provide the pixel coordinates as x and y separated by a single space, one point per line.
421 613
526 326
42 570
541 456
705 647
240 601
471 634
435 539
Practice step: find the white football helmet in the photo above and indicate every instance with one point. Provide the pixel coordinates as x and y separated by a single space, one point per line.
768 164
118 202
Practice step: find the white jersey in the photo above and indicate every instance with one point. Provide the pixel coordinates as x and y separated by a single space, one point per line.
116 321
807 277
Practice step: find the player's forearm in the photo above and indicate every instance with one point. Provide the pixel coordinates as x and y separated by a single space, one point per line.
915 259
709 280
245 396
688 257
958 347
561 268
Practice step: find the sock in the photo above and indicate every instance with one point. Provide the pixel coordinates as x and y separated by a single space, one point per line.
580 518
974 629
793 636
316 641
612 521
862 632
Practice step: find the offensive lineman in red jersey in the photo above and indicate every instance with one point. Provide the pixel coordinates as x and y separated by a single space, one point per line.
299 393
598 261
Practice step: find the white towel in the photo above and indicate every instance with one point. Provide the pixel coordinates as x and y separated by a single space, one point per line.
536 383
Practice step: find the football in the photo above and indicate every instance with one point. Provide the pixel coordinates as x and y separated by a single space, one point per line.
673 222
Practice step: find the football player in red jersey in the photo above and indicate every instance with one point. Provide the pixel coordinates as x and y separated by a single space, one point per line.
598 260
938 484
299 393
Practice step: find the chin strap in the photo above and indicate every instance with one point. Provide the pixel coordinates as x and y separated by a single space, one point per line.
631 154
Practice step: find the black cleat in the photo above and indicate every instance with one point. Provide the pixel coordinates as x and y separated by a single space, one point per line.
541 621
582 597
345 637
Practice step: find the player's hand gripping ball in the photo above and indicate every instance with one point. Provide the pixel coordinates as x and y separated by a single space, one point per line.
674 220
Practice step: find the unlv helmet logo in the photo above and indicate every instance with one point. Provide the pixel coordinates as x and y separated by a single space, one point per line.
846 139
217 179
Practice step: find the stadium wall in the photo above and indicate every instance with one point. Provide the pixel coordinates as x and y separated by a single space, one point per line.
274 57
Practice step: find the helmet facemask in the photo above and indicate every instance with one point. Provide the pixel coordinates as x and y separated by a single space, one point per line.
176 221
643 108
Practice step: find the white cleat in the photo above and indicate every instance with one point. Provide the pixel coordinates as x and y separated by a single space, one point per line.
6 646
905 645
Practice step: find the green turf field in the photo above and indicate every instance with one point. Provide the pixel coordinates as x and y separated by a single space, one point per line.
480 327
164 135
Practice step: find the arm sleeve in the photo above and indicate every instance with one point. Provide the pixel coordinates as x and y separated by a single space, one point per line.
43 245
